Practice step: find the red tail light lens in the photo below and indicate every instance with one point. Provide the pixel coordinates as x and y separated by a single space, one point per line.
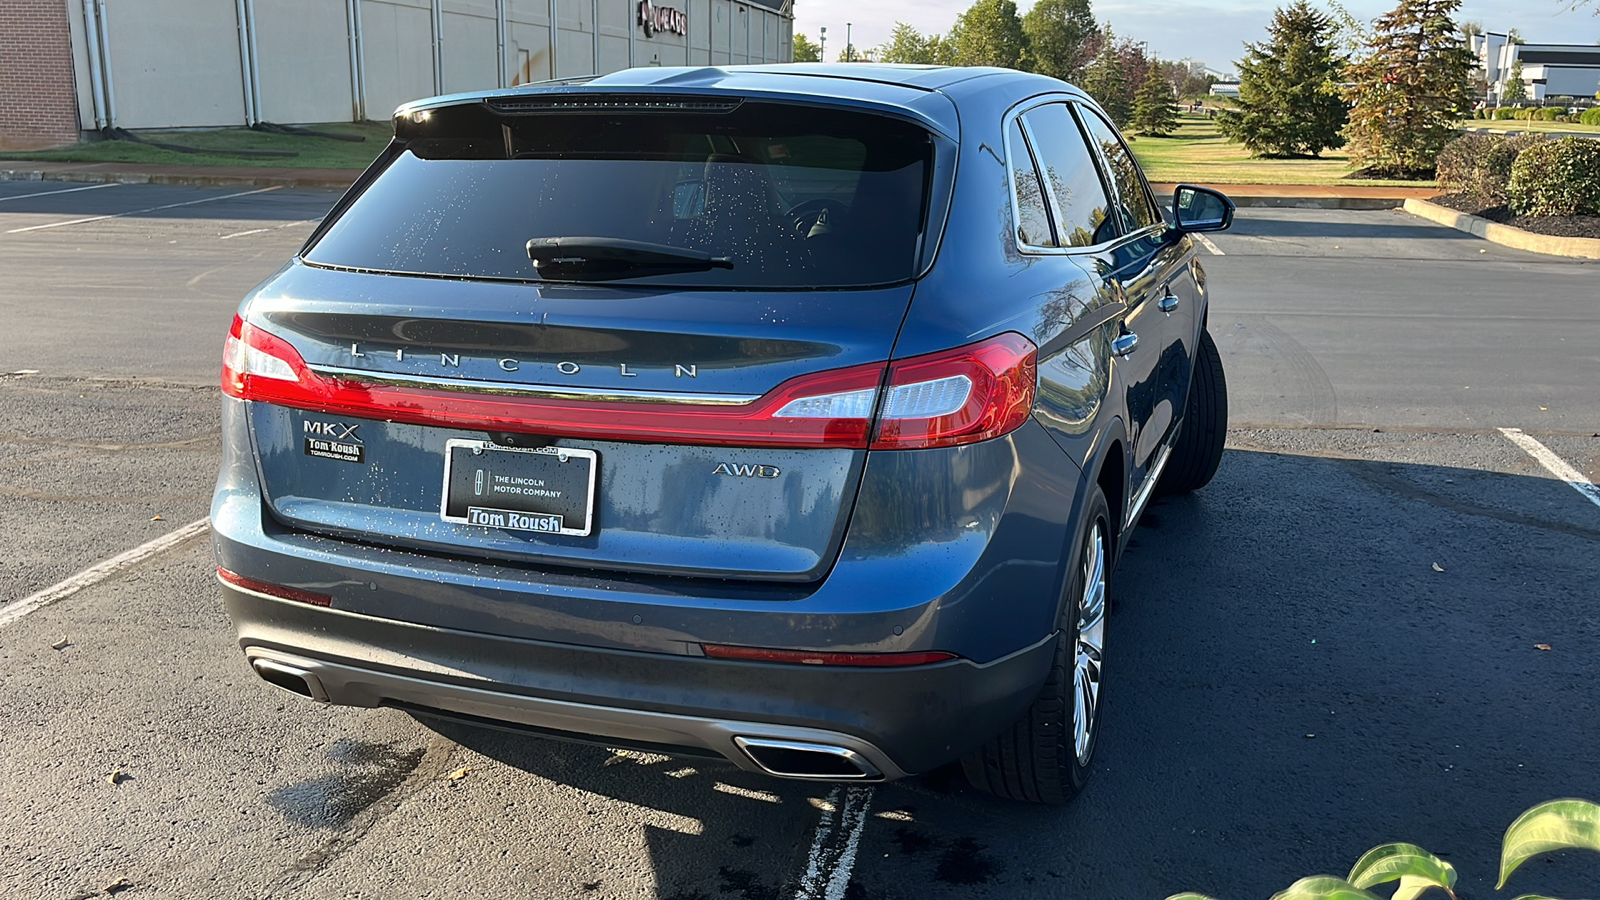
959 396
811 658
273 590
825 409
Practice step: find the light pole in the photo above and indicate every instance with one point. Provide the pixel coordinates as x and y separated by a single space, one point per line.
823 51
849 48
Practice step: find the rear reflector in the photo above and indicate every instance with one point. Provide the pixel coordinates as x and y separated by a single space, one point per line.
960 396
273 590
811 658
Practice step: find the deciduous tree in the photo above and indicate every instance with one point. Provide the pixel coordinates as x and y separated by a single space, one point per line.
1289 103
989 33
1059 35
1409 87
907 45
805 51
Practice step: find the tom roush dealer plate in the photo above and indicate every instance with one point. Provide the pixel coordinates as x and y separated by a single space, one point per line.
546 491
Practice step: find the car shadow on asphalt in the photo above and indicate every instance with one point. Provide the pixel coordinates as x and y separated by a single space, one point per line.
1307 658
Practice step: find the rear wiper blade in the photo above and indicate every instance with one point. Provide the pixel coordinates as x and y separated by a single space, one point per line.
599 258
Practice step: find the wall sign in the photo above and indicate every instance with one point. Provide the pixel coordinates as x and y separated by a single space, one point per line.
662 18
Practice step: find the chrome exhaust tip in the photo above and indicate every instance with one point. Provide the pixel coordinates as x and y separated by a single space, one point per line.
804 760
292 679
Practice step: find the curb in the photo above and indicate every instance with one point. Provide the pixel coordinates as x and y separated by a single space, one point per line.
189 179
1506 235
1248 202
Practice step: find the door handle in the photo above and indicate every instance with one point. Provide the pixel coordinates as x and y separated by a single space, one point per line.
1168 303
1124 344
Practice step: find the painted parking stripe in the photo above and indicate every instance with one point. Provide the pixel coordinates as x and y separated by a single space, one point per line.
1555 464
95 574
265 230
136 212
1206 243
92 187
833 848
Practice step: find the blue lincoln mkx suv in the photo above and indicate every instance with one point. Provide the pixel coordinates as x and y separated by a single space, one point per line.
791 415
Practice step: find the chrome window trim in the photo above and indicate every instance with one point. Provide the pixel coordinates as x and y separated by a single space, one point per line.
541 391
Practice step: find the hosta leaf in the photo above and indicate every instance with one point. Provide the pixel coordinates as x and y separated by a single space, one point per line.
1189 896
1557 825
1407 863
1323 887
1534 897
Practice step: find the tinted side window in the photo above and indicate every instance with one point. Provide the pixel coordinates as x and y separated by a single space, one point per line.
1033 223
1077 195
1136 208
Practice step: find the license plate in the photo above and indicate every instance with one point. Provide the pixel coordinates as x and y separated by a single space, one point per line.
545 491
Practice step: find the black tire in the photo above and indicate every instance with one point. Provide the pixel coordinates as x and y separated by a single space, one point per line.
1036 760
1198 449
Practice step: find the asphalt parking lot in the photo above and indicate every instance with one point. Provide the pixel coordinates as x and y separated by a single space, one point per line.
1334 645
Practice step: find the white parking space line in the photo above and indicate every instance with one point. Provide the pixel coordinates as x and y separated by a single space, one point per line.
1206 243
833 849
95 574
265 230
135 212
1555 464
92 187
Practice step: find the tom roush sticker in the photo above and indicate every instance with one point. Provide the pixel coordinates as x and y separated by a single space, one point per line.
334 440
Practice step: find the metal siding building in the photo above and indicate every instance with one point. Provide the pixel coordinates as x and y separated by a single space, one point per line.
1567 71
200 63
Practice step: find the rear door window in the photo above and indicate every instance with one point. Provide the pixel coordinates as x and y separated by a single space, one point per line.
790 196
1077 196
1133 194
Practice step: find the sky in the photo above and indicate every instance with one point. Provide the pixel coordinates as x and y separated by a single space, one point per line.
1175 29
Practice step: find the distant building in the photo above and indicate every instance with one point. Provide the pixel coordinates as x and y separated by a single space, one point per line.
1225 89
77 65
1549 71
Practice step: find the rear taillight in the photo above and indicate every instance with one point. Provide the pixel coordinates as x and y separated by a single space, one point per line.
960 396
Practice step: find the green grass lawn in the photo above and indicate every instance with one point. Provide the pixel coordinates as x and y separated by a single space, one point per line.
1196 152
311 152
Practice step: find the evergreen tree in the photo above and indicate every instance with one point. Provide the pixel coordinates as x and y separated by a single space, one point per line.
1059 36
1516 90
1155 110
1289 103
989 33
805 51
907 45
1409 88
1106 80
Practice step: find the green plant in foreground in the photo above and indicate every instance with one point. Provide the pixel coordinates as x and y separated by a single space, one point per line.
1556 825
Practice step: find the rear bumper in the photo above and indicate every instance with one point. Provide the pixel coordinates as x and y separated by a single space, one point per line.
892 722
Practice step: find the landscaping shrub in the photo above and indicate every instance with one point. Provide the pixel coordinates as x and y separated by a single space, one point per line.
1550 114
1556 178
1503 112
1591 116
1479 165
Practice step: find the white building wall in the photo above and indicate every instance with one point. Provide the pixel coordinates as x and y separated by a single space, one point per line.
178 63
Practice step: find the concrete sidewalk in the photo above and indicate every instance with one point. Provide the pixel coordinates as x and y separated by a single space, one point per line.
1299 196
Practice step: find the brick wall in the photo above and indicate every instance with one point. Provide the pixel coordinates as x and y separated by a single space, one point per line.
38 102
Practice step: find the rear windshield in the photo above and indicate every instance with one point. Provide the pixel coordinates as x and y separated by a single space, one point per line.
790 196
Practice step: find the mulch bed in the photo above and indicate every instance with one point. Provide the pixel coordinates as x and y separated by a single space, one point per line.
1557 226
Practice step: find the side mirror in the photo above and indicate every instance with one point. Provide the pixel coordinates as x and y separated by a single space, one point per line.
1201 209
